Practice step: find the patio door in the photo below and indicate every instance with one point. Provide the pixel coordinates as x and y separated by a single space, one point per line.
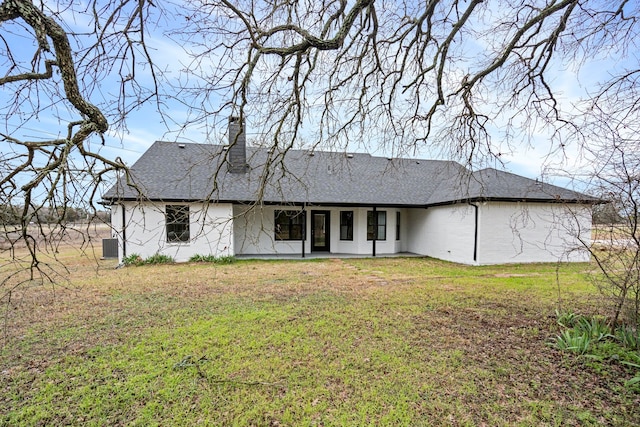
320 231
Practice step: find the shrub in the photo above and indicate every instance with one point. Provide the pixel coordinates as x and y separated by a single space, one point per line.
202 258
228 259
133 259
159 259
213 259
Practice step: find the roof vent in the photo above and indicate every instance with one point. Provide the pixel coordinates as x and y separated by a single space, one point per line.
349 156
311 154
181 145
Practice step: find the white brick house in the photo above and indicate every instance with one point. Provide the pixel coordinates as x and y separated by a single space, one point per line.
187 199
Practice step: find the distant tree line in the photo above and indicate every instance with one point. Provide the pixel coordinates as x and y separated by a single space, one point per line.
607 213
12 215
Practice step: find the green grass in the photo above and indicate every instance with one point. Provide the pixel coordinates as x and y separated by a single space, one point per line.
398 342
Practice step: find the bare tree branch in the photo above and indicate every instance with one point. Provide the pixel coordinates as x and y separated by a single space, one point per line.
43 181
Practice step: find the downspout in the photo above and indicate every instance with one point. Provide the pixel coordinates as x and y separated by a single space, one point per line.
124 233
375 230
475 232
304 227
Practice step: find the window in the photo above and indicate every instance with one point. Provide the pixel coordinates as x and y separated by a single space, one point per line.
289 225
177 217
381 232
346 225
397 225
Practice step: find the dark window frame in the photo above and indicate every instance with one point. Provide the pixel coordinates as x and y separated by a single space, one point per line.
289 225
177 223
346 225
382 225
397 225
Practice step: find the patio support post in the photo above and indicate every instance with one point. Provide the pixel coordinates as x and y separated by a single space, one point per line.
304 228
375 230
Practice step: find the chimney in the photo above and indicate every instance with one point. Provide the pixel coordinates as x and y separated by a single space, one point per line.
237 155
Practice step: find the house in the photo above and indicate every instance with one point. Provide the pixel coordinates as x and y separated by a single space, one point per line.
188 199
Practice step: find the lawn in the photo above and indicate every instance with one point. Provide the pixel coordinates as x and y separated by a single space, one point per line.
397 341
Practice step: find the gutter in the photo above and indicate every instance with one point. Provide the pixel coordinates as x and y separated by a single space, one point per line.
265 202
124 233
114 200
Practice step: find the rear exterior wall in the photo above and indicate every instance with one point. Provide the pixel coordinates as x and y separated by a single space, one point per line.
443 232
144 226
510 232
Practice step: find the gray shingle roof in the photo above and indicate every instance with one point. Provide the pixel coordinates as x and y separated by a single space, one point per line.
171 171
493 184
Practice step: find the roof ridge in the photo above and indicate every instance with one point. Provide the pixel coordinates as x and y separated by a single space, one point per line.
311 150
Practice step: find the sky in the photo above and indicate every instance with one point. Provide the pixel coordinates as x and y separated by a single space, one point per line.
144 126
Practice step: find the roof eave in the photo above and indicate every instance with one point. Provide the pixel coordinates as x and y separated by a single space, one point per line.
115 200
515 200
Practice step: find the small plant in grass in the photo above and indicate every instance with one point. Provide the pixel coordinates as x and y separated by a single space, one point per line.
568 319
573 341
581 332
635 381
133 259
628 337
593 338
596 328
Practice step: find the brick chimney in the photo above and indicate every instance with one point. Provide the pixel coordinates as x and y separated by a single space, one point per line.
237 156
